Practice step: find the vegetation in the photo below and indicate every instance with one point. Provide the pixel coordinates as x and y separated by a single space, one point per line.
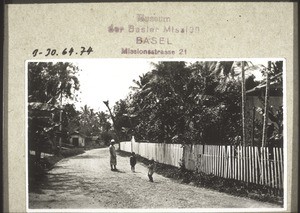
51 115
187 103
176 102
91 123
49 83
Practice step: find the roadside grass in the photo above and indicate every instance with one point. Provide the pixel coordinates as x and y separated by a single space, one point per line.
200 179
38 170
49 161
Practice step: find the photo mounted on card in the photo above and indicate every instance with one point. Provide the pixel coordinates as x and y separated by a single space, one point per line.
99 139
174 107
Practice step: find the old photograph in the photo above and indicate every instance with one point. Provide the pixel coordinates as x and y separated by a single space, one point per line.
146 134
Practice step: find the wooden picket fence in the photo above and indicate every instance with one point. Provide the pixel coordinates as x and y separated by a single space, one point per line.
262 165
258 165
170 154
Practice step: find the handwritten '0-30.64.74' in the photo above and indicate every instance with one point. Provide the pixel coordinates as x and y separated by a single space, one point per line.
63 52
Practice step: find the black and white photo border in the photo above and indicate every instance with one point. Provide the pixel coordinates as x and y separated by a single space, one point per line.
285 141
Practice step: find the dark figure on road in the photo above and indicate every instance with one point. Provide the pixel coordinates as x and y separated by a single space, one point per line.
132 161
151 168
113 155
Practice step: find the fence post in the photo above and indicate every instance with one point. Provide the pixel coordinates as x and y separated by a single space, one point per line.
132 142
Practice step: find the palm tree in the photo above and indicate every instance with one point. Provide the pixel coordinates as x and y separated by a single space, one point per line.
266 107
243 104
103 121
51 82
226 69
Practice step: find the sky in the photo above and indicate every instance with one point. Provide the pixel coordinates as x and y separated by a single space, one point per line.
107 79
110 79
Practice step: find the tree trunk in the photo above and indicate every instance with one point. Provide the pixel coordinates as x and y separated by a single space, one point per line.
265 124
253 128
113 120
60 122
243 105
37 151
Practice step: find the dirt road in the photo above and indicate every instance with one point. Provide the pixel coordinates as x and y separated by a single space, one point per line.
86 181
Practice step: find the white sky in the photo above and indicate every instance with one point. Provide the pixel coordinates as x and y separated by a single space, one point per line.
107 79
110 79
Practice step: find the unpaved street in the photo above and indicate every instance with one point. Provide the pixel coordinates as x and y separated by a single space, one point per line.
86 181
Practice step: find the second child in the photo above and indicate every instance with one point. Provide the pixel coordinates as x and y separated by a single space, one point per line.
151 168
132 161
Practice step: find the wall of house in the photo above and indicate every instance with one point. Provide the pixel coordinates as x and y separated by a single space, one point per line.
81 140
254 101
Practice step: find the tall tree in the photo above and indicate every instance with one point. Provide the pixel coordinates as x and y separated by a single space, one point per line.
243 104
117 131
176 103
50 82
180 103
266 107
230 69
70 120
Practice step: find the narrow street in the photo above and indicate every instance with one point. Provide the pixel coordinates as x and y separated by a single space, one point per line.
86 181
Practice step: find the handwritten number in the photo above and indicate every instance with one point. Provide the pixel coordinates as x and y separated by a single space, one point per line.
35 52
82 50
64 52
89 50
53 52
71 51
48 51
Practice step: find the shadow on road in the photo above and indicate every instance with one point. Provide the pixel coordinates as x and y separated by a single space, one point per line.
119 171
87 157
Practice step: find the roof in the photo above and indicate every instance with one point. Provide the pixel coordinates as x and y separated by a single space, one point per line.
275 87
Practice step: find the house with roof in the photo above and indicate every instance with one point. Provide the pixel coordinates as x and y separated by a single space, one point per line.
255 99
77 139
42 129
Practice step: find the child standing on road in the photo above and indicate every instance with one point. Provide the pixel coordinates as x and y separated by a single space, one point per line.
151 168
132 161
